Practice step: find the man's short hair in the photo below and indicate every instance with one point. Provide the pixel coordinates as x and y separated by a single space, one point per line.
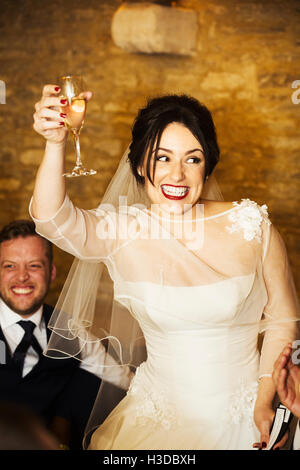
24 228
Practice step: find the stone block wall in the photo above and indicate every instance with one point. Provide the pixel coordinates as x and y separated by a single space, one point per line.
247 57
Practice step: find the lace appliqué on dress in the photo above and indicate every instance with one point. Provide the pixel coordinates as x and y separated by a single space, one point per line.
152 404
248 218
242 403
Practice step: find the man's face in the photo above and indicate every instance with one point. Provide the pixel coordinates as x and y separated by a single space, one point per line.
25 274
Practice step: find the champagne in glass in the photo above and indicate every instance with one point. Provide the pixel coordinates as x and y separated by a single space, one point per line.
72 90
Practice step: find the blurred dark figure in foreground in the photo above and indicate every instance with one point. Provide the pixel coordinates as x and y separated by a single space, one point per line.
21 429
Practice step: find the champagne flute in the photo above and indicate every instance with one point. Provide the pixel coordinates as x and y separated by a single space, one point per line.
72 88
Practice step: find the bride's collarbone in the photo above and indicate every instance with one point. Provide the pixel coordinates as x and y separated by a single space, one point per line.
212 208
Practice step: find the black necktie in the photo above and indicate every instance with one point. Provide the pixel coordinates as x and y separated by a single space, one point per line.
28 340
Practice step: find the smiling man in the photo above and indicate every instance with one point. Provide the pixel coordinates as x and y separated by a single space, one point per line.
26 376
26 270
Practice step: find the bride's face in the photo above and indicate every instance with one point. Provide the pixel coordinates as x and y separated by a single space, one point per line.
179 171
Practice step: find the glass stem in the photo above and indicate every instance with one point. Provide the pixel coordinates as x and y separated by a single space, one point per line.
77 148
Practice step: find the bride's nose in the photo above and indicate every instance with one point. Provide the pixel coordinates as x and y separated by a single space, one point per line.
177 172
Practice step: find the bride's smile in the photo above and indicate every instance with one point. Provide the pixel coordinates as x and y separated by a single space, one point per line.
171 191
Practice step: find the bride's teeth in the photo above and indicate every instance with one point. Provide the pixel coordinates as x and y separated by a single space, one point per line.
172 191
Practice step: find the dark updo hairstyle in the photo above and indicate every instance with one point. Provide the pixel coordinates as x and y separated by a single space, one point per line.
155 117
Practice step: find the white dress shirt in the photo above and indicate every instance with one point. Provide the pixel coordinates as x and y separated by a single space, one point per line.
94 353
14 333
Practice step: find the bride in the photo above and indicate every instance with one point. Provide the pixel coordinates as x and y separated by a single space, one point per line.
195 281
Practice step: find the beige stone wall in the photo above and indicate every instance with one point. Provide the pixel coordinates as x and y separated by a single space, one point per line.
246 60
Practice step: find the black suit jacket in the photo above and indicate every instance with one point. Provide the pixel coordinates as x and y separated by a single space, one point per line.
50 388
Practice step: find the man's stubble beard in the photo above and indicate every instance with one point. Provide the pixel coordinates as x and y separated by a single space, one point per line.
33 307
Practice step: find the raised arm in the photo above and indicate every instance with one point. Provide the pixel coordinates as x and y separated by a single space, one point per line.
50 189
72 229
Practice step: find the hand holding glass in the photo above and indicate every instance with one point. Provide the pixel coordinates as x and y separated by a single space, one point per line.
72 90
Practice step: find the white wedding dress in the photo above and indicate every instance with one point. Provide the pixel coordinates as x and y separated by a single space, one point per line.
201 309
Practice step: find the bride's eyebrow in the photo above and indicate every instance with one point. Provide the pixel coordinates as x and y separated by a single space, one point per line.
194 150
163 149
170 151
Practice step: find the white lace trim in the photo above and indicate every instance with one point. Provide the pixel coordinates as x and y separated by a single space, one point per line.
242 403
152 404
248 218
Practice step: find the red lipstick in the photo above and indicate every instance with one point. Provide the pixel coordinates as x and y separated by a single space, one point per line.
175 196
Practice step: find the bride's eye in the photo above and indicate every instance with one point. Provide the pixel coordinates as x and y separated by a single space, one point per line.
162 158
194 160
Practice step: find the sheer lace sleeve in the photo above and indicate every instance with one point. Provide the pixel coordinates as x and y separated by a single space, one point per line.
86 234
281 312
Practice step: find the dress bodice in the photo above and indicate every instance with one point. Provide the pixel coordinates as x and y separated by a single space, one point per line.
170 308
198 342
